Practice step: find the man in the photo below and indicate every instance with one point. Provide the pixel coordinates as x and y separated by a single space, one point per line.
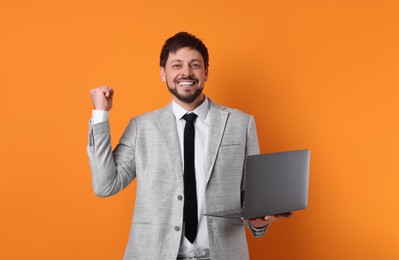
178 179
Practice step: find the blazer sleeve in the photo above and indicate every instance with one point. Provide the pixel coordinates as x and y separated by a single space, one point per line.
252 147
111 170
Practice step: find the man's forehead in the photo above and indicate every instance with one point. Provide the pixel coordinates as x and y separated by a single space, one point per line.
184 54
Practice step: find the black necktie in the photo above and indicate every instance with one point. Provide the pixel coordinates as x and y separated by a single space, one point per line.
190 215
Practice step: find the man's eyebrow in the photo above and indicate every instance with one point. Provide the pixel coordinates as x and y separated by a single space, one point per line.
179 60
176 60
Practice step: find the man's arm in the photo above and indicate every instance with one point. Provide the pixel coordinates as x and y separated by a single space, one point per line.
251 148
111 170
258 226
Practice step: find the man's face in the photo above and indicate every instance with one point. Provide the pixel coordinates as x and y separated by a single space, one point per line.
185 74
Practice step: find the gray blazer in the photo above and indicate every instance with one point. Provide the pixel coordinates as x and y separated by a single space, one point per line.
149 151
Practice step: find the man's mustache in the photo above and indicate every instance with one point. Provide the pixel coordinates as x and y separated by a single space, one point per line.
187 78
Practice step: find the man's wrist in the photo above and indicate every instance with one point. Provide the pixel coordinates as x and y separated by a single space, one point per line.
99 116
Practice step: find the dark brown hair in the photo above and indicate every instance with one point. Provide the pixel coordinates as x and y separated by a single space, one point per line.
181 40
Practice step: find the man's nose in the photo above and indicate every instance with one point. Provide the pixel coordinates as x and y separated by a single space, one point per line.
187 71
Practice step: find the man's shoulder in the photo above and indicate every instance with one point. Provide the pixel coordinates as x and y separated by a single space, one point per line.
232 111
155 113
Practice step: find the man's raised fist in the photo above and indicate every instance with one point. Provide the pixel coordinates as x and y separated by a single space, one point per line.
102 98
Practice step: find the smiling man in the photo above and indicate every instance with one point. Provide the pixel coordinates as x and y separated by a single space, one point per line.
185 74
188 159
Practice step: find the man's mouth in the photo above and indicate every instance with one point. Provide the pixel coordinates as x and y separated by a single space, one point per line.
186 83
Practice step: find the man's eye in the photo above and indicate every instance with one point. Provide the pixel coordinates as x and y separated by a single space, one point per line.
195 65
176 66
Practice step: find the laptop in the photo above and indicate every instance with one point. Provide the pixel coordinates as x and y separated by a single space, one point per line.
275 183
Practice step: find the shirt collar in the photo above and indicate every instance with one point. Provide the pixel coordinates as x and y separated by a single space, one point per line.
201 110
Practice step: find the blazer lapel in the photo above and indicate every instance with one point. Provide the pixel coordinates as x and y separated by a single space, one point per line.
218 120
167 125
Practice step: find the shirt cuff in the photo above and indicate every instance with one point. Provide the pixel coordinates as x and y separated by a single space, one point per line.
99 116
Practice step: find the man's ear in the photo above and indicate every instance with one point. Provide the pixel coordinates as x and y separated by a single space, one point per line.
163 76
206 74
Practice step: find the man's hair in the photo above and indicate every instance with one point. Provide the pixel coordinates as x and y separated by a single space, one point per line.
181 40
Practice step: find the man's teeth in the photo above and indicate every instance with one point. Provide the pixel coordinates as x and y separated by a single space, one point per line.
186 83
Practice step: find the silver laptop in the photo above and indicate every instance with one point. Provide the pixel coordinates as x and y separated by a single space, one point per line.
275 183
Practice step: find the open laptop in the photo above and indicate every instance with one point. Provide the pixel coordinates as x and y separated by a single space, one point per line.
275 183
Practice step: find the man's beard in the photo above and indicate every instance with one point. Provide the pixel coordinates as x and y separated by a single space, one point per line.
185 99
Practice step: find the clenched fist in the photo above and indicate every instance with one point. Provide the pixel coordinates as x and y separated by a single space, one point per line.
102 98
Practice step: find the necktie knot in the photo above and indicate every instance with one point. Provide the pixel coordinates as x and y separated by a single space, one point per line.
190 117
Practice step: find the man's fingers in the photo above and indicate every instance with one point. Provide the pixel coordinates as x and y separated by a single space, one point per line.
102 98
110 93
107 91
103 90
270 218
286 215
274 217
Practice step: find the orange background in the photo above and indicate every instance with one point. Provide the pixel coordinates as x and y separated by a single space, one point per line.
315 74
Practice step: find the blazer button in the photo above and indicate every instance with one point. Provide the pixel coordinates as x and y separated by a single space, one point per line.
177 228
180 197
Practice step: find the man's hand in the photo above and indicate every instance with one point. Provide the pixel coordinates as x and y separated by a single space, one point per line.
102 98
262 222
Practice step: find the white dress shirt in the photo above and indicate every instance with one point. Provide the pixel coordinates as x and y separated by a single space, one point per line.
201 124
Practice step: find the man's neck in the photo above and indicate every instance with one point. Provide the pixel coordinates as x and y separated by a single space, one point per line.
190 106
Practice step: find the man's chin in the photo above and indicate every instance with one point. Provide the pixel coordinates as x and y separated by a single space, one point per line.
186 98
